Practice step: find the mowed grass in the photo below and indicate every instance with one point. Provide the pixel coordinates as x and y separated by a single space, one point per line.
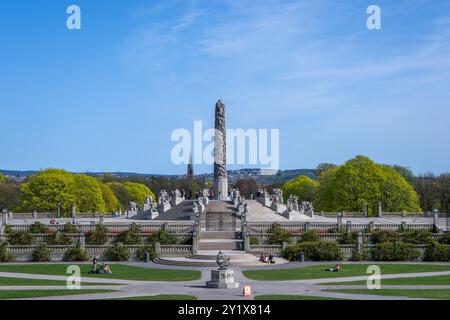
40 282
432 280
18 294
120 271
160 297
290 297
409 293
348 270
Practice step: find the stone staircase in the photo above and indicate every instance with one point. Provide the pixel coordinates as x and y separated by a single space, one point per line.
220 240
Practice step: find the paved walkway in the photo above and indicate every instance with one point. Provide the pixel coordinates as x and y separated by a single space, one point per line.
309 287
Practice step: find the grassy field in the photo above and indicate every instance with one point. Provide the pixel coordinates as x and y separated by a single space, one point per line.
120 271
160 297
41 282
17 294
410 293
290 297
348 270
433 280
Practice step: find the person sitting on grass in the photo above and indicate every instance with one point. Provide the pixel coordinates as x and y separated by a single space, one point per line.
261 258
337 268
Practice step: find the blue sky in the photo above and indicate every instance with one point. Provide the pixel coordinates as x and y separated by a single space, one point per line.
107 97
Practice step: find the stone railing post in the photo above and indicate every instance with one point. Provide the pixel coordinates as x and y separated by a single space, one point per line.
348 226
246 241
436 220
365 210
380 210
339 219
285 245
74 211
82 239
371 226
101 220
359 243
307 225
195 242
157 248
35 215
403 226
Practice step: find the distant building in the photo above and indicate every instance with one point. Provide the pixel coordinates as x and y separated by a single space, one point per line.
190 169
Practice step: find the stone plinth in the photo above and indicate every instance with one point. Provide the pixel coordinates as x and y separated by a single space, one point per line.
221 187
222 279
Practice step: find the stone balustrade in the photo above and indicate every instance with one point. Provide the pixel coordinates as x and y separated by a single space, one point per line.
320 226
172 226
24 253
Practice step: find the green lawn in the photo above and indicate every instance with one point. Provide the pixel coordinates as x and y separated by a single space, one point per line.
41 282
290 297
348 270
433 280
17 294
410 293
160 297
120 271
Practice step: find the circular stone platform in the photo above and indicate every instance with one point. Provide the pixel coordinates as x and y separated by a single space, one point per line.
207 258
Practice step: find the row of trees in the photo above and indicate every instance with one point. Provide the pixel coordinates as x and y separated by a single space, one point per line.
350 186
43 192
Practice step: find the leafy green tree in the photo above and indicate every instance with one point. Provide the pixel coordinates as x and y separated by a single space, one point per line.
322 167
325 194
88 195
360 181
397 193
110 199
138 192
130 191
120 192
9 194
43 191
405 173
303 187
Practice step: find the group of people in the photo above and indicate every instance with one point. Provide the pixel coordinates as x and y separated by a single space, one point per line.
100 268
266 259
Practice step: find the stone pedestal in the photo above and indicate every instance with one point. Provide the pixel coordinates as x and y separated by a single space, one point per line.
222 279
221 186
152 214
163 207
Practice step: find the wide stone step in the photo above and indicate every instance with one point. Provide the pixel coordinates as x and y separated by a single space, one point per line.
220 235
223 244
